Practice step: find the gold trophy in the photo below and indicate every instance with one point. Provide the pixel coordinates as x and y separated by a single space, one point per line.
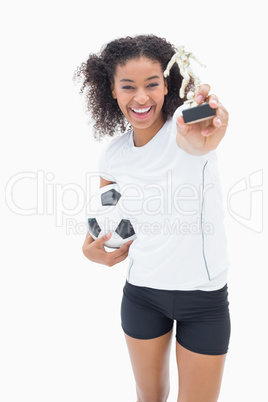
194 112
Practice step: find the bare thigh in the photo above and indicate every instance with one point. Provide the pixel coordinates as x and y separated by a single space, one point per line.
150 363
199 375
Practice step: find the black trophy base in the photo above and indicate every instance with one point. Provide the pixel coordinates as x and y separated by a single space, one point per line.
198 113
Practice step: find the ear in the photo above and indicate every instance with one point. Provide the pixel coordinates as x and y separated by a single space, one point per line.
113 91
165 87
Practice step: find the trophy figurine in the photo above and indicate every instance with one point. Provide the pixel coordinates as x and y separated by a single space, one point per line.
194 112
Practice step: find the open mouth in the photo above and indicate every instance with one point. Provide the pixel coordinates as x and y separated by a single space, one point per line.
141 113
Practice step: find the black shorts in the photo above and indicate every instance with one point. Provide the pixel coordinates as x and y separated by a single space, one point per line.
203 320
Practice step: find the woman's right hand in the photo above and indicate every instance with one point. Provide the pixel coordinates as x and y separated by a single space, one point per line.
94 250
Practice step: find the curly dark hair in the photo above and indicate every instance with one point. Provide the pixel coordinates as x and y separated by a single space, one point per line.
97 75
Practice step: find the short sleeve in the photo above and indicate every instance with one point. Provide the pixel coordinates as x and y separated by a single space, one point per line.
103 167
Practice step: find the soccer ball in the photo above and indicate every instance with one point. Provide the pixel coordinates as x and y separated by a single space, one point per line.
104 215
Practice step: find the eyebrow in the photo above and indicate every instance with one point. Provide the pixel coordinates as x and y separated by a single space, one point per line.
147 79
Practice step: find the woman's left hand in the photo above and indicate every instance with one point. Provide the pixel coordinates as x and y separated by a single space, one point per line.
201 138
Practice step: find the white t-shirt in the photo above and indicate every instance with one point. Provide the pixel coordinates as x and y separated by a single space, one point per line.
174 202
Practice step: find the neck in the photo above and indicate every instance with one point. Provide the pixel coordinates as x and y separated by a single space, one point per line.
142 136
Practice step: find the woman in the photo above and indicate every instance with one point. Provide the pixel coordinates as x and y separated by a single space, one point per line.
178 263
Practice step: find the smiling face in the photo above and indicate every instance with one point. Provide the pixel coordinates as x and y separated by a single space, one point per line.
140 90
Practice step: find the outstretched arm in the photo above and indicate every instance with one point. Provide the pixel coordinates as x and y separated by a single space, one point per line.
203 137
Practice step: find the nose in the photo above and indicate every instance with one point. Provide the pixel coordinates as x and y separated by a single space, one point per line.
141 96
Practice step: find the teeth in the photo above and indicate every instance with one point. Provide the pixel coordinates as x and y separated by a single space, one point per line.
141 110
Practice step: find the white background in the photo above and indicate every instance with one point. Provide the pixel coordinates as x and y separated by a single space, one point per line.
61 338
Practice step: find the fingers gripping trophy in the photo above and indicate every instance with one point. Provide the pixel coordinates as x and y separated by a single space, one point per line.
194 113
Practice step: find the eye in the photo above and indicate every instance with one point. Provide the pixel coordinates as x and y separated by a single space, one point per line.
128 87
153 85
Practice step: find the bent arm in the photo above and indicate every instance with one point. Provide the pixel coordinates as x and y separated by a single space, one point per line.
94 250
104 182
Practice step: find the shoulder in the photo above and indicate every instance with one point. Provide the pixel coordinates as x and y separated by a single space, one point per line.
120 141
115 146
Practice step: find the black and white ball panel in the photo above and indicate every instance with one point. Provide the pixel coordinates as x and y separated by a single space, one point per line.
93 227
125 229
105 214
110 197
